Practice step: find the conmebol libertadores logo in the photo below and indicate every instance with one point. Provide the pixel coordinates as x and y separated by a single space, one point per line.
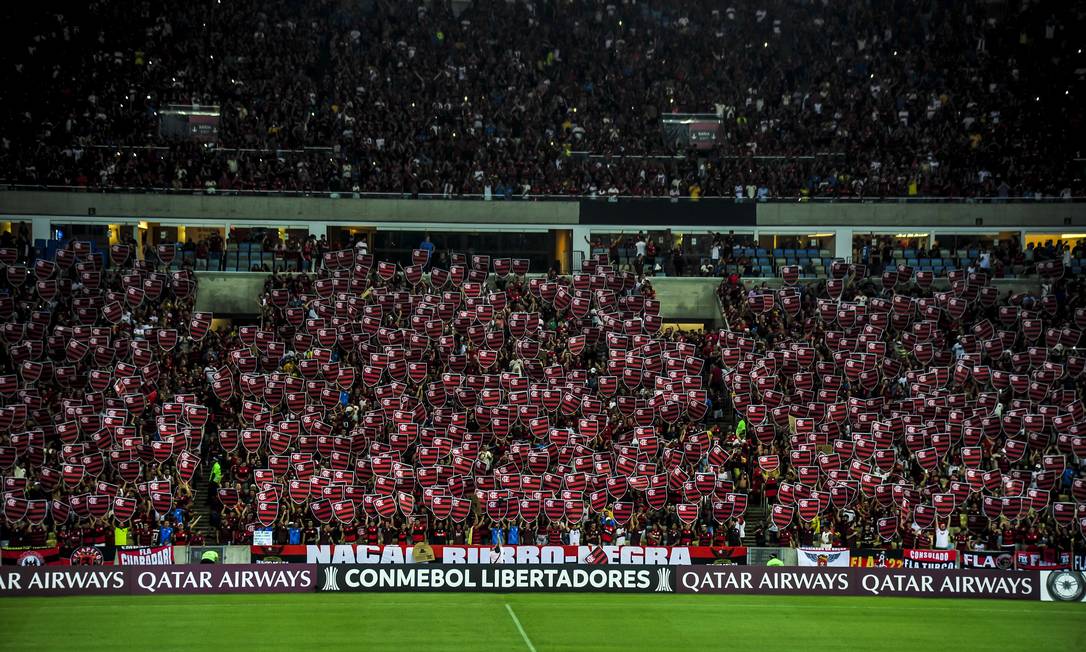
495 578
663 580
330 579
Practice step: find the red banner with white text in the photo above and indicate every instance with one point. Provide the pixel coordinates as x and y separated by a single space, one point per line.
914 558
1028 560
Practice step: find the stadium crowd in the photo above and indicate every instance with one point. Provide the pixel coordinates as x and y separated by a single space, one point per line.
508 98
518 454
963 418
94 366
377 403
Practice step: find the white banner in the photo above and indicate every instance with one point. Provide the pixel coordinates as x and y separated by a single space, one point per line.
836 557
147 556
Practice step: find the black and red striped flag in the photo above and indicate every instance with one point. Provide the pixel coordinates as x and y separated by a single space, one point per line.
596 556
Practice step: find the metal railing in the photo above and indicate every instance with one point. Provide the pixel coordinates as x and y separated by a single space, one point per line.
347 194
247 259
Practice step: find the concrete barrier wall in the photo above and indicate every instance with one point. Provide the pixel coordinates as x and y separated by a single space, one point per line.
681 298
926 216
687 298
307 209
348 210
238 293
230 293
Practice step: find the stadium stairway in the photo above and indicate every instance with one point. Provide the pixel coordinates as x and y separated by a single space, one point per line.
200 508
755 516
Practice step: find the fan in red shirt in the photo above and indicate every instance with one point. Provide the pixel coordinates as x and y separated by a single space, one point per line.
418 530
373 533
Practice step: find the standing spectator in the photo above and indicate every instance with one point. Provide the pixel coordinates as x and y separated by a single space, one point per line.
428 247
309 250
650 257
214 480
613 250
201 254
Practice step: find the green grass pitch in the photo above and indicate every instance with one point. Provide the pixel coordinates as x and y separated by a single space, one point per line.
405 621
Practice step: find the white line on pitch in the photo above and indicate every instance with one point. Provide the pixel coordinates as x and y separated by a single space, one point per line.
523 634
